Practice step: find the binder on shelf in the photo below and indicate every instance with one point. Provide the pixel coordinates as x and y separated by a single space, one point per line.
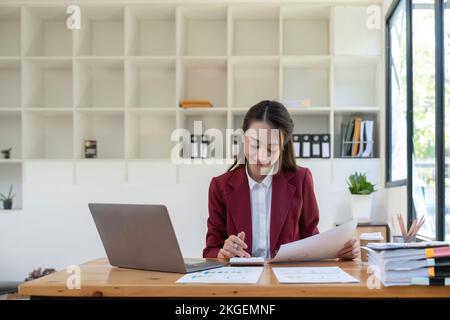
204 145
362 141
344 129
348 137
296 142
315 146
325 145
195 146
235 147
360 147
368 136
305 146
90 149
356 133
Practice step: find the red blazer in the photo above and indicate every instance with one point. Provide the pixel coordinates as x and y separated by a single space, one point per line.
294 210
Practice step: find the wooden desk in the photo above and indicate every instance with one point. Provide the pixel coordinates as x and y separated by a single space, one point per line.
99 279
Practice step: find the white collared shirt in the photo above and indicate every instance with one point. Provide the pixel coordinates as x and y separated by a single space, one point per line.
260 203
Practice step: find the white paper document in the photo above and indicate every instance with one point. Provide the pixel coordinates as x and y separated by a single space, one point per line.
313 275
324 245
224 275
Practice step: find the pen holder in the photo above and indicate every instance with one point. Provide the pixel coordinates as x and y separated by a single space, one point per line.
403 239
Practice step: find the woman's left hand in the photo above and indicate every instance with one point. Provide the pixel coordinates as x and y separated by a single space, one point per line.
350 250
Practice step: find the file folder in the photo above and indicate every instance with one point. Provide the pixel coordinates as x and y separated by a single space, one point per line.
315 146
306 146
296 142
325 145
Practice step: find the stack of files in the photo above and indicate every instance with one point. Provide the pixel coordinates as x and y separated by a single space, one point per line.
405 264
357 138
186 104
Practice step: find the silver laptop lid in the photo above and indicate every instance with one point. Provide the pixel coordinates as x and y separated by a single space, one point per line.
138 236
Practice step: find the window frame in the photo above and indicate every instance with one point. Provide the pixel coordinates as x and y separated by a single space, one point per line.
439 111
388 181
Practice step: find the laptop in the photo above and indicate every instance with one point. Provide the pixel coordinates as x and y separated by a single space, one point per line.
139 236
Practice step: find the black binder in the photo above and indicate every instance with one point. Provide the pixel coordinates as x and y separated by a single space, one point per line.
305 146
297 145
316 151
325 145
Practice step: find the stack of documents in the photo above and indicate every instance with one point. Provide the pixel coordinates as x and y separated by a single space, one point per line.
403 264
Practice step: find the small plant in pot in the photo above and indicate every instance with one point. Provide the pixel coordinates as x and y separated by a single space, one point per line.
7 200
361 196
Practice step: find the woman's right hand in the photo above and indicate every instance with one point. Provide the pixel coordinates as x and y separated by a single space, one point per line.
234 246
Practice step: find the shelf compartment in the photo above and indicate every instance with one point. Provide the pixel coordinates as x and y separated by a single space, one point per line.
352 20
150 31
149 134
106 127
311 123
10 76
10 31
99 83
46 33
254 80
306 82
344 117
306 30
198 23
101 33
48 83
204 79
11 133
11 174
255 30
150 83
356 81
48 134
208 125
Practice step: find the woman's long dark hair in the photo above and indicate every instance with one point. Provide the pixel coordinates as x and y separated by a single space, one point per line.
279 118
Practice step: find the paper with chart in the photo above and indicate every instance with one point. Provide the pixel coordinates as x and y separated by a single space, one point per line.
313 275
224 275
324 245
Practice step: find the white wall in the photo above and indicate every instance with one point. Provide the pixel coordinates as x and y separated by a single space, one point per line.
55 228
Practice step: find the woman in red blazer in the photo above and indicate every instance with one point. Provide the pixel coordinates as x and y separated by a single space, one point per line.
265 199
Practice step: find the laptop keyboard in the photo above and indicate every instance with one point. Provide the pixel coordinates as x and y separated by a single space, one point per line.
198 264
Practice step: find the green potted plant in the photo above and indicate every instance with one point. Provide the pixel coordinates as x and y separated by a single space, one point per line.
7 200
361 192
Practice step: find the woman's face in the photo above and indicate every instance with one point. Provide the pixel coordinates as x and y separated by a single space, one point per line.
262 147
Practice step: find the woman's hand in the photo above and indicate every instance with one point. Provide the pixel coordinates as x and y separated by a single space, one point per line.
234 246
350 250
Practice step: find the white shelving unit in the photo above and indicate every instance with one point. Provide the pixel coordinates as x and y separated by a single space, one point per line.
150 83
120 78
255 30
48 134
197 23
10 83
99 83
306 30
47 83
150 31
254 79
106 126
203 78
45 32
10 31
102 33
